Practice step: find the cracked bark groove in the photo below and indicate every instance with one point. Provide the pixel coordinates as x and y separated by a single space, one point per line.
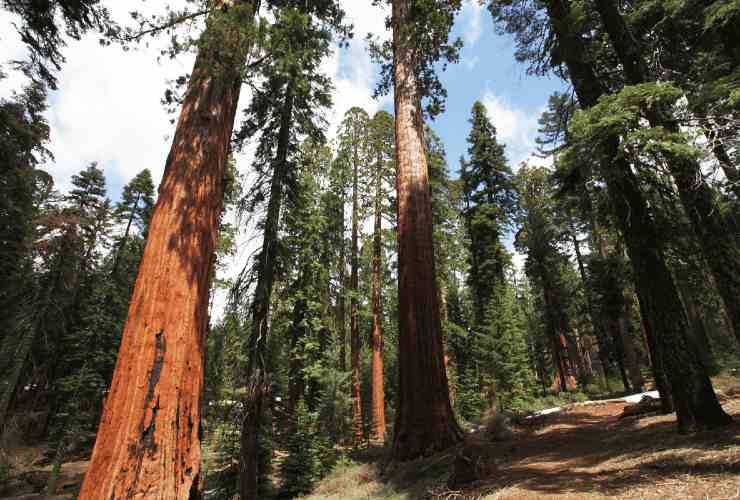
424 420
148 444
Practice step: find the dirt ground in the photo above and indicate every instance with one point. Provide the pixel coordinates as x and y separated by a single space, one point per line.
584 452
588 452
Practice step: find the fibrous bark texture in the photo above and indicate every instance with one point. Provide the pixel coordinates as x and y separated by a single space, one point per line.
424 420
148 443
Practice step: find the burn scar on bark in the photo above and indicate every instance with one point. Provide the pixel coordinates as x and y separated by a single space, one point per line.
149 421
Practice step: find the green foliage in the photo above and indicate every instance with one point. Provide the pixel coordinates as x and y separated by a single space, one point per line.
426 27
469 402
302 467
489 204
45 26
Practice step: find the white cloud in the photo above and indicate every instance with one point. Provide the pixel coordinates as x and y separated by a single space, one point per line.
516 127
472 13
107 107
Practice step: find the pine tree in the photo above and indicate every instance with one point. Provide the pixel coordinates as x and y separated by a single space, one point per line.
301 468
721 251
134 210
286 107
665 319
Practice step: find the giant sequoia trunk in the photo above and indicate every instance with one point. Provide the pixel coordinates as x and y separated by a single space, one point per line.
424 419
357 428
666 323
377 424
713 233
257 369
148 442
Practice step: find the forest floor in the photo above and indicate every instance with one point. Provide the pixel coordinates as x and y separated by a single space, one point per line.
583 452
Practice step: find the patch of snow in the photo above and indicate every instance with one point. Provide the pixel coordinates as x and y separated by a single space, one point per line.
635 398
544 412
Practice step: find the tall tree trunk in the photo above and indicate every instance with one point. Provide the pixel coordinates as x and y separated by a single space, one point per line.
357 427
341 302
424 419
694 398
257 370
148 442
628 341
377 427
713 233
597 324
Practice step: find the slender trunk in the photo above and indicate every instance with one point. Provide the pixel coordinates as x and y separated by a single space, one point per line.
424 419
124 240
693 395
630 356
557 327
712 231
357 427
628 343
17 360
257 369
341 307
377 432
148 442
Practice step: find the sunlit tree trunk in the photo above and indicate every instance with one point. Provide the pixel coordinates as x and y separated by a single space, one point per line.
424 419
377 427
148 442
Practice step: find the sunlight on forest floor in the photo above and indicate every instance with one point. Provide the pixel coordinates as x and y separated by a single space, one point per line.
582 452
585 451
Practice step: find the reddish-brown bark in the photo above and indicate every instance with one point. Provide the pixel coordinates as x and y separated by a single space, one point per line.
357 427
424 419
377 425
148 443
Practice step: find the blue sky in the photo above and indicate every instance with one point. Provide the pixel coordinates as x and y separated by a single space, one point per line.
488 72
107 108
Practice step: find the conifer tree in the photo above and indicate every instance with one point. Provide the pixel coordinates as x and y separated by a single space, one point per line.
721 251
382 157
134 210
285 108
355 153
665 319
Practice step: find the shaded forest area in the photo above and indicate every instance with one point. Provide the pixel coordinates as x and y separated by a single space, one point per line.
381 337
